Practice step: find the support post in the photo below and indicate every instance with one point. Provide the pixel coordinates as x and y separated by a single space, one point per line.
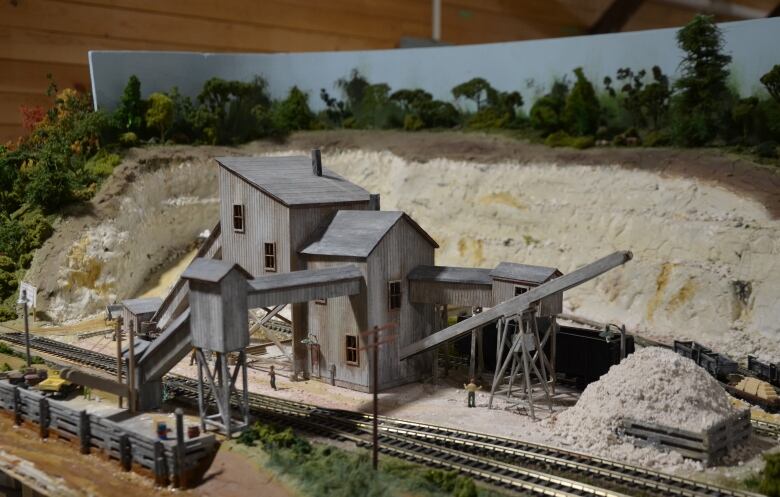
131 381
27 333
473 354
84 434
201 404
375 374
119 362
17 407
160 466
125 452
225 393
43 417
245 393
179 445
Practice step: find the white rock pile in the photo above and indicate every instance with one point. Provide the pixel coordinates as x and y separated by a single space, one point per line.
653 385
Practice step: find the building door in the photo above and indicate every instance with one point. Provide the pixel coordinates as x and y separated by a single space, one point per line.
314 352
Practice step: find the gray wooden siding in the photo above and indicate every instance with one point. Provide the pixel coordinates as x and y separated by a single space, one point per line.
308 223
401 250
136 319
454 294
219 313
265 221
329 324
505 290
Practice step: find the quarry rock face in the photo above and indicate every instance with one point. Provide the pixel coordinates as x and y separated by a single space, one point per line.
706 260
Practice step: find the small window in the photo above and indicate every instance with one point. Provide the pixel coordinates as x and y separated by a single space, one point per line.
519 290
238 218
394 295
270 256
321 301
352 349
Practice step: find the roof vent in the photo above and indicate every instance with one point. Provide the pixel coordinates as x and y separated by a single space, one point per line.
316 162
373 202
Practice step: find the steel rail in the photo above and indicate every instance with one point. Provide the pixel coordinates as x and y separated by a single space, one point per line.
595 467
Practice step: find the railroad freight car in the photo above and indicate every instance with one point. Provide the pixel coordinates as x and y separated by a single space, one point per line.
716 364
584 355
767 371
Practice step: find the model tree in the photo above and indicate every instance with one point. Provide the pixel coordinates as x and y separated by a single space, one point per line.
293 113
582 110
477 90
129 114
703 100
771 82
159 115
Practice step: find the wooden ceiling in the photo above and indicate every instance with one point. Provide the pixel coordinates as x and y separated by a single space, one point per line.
38 37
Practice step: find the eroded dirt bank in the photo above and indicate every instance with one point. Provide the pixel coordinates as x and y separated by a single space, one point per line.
702 225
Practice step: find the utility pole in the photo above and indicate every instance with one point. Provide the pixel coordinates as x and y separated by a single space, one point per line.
24 302
131 402
119 361
373 345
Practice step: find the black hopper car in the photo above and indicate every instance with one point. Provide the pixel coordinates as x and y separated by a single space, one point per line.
584 355
767 371
716 364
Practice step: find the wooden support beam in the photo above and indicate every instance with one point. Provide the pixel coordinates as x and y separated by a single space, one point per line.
615 16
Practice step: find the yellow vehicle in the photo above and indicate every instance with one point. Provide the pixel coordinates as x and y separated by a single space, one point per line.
54 385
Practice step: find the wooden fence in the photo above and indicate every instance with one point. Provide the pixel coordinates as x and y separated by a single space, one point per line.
168 462
708 446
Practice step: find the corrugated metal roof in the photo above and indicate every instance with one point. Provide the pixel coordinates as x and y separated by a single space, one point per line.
523 272
307 277
211 270
142 306
357 233
450 274
291 181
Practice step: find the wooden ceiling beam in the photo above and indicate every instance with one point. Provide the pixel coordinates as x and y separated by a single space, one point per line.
615 16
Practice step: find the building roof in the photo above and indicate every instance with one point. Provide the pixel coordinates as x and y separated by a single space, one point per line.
524 272
449 274
211 270
142 306
290 180
308 277
357 233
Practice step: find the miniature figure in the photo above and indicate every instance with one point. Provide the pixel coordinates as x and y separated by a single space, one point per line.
272 374
472 388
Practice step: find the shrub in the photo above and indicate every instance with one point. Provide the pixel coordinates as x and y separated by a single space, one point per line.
129 114
581 113
476 90
293 113
745 116
563 139
159 113
128 139
5 367
102 164
701 108
770 482
656 138
422 111
547 112
232 111
413 122
766 150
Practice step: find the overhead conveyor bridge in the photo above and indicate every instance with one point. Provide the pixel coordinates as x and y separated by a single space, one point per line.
517 305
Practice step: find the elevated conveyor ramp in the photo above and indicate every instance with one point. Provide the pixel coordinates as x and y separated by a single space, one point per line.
165 351
517 304
304 286
177 299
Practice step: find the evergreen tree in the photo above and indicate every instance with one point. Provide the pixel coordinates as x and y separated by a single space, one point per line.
129 114
703 104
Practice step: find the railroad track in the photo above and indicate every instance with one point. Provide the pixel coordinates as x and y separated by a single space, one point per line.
522 466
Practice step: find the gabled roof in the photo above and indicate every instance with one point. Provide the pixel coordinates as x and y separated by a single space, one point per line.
524 273
450 274
357 233
142 306
211 270
306 277
290 180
